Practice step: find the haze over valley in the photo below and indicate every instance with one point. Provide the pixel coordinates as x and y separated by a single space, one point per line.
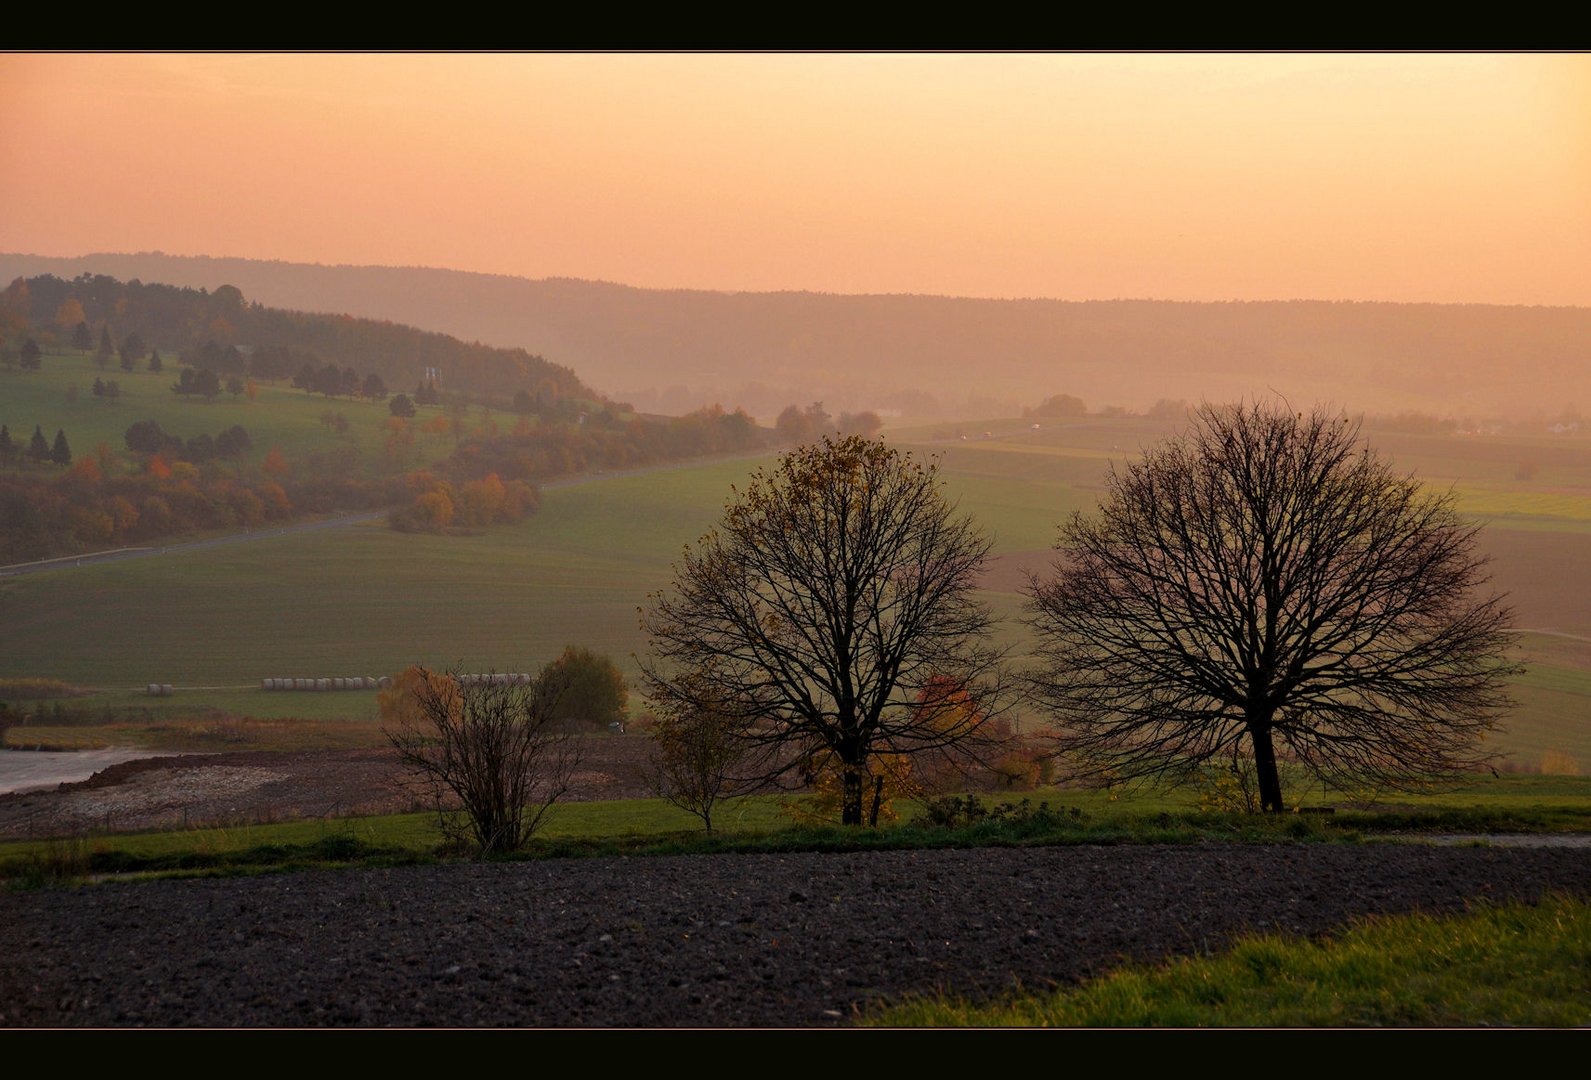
700 472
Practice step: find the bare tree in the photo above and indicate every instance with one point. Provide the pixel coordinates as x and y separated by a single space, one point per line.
697 746
487 751
834 591
1266 579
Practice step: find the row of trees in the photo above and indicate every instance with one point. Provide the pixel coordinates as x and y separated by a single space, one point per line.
1263 586
38 450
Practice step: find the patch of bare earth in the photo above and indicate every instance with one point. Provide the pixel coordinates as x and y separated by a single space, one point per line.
246 787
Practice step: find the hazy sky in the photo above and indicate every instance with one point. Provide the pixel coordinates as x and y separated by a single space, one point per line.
1447 177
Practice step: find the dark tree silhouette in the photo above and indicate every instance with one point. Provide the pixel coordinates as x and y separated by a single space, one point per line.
61 452
1266 580
833 592
31 355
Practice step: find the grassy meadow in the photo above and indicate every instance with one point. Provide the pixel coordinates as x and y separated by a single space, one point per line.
364 600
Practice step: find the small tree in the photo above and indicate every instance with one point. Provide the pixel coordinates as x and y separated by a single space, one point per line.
61 453
1266 583
207 384
489 753
32 356
401 405
696 752
132 351
107 348
594 693
38 447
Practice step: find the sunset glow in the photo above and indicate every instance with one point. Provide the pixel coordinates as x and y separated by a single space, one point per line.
1429 177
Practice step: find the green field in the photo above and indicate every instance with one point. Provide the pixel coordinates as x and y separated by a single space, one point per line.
364 600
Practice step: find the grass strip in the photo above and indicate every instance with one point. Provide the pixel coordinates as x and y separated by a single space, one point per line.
1515 966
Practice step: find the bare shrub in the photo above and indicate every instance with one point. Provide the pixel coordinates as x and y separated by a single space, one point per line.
489 755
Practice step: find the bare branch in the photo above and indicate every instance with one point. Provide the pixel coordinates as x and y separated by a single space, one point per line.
1266 578
489 753
835 594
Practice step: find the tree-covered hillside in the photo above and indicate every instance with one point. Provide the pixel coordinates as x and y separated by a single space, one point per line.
179 321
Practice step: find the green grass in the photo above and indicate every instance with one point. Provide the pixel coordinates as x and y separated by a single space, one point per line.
279 416
365 600
639 827
1525 966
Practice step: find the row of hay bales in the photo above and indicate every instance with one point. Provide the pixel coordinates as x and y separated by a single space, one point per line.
157 689
355 682
497 678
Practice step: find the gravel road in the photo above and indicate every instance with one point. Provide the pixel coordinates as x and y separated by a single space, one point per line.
700 941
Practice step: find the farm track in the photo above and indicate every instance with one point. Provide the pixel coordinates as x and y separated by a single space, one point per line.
796 940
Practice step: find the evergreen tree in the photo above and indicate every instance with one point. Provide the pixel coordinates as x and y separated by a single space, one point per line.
38 447
82 340
30 355
61 453
107 348
154 361
8 448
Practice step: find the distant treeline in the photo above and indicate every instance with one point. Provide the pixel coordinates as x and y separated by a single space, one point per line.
86 510
946 356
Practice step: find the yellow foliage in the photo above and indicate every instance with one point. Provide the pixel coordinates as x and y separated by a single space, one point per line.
885 778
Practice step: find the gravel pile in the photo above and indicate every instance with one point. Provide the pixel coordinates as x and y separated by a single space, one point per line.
696 941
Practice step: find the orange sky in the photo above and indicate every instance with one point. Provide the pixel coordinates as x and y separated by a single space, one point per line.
1444 177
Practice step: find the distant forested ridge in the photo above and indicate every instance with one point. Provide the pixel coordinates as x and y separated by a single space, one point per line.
184 321
671 350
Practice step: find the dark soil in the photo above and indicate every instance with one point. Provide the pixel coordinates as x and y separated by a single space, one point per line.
704 941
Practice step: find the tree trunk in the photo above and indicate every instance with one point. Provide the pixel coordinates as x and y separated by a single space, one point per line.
1265 766
878 802
851 797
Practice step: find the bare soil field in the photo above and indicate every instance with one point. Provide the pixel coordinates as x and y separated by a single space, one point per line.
793 940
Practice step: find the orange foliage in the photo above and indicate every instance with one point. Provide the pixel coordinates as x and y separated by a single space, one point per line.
399 705
434 510
274 464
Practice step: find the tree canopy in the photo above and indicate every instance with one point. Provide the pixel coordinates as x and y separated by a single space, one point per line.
832 599
1265 586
